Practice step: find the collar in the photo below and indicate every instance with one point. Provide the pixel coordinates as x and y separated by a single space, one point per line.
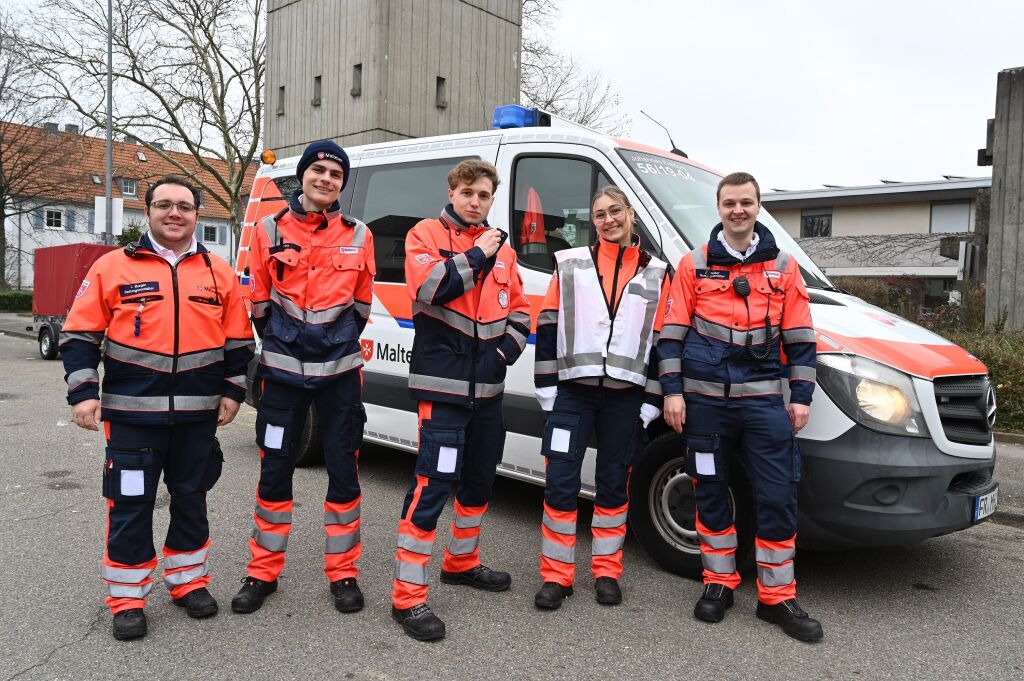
602 245
736 254
764 248
295 206
166 253
451 220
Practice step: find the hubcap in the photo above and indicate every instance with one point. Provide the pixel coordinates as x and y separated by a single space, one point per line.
673 508
46 343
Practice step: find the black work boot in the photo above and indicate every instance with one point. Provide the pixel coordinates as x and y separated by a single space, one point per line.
129 624
479 577
793 620
347 596
716 599
607 591
198 603
250 597
419 622
551 595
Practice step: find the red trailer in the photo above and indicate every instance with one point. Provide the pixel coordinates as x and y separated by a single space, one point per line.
59 272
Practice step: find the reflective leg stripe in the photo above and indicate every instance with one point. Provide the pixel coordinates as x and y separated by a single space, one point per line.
607 546
422 547
612 520
185 576
773 557
411 573
415 545
462 552
719 564
344 541
183 568
124 575
274 517
341 543
270 541
608 527
129 591
559 526
776 580
777 575
719 541
127 582
718 554
560 552
341 518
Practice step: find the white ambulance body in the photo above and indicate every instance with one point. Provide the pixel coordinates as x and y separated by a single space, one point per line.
899 444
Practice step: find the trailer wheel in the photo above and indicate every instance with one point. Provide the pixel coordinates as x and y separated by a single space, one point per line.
662 509
48 347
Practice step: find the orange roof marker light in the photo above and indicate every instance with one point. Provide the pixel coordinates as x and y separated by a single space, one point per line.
268 157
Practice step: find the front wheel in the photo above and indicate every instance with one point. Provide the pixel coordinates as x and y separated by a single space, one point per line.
662 509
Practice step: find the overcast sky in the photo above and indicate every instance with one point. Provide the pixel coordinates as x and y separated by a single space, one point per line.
804 93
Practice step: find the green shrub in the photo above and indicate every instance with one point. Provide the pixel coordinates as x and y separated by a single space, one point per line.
16 301
1003 354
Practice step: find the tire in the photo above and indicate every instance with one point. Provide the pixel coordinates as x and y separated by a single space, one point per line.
311 451
662 509
48 348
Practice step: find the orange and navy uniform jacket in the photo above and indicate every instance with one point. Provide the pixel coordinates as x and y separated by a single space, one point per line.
177 337
703 345
616 266
471 316
311 290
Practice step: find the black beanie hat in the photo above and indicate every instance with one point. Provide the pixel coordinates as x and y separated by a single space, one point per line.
318 151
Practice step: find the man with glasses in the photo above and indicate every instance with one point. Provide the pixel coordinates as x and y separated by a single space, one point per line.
176 344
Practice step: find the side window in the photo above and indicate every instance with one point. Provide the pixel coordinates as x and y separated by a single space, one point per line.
391 199
551 207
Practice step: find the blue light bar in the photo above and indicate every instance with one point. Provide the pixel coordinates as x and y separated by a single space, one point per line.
515 116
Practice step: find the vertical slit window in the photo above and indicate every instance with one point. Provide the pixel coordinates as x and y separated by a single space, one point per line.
441 93
280 101
357 80
316 91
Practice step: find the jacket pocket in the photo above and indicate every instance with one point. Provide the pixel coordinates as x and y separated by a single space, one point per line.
214 466
562 437
440 452
128 475
702 352
282 327
704 460
355 262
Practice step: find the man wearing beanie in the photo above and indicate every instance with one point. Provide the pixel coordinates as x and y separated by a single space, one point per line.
311 287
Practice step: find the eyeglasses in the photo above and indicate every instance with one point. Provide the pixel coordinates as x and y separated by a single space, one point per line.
613 212
183 207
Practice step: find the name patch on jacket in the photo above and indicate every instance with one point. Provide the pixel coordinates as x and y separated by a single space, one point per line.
140 287
348 250
712 274
772 274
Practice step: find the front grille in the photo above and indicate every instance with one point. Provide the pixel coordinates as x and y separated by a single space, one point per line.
966 408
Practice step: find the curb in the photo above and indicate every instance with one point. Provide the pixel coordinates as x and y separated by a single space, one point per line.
1009 438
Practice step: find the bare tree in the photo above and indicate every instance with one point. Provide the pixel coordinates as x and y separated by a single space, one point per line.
188 75
33 162
558 83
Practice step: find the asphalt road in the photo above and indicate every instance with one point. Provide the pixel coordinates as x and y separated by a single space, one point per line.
951 608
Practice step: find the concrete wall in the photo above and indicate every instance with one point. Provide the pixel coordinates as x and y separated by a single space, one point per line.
403 47
885 218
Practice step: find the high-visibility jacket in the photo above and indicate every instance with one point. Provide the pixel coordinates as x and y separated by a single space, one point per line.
601 318
312 287
703 346
176 336
471 316
532 237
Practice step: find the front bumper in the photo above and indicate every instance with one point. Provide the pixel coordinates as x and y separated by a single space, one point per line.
869 489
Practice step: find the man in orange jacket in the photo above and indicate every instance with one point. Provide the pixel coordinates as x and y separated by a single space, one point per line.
177 343
472 321
312 283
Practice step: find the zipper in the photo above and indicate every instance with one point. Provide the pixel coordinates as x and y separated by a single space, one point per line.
612 309
174 357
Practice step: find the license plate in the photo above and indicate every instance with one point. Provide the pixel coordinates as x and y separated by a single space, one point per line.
985 505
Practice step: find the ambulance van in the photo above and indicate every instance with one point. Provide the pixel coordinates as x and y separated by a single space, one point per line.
899 446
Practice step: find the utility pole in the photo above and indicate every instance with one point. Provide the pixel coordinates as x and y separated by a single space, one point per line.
108 237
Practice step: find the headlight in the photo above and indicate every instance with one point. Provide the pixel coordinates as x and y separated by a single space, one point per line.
872 394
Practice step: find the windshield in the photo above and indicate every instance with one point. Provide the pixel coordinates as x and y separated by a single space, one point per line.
686 194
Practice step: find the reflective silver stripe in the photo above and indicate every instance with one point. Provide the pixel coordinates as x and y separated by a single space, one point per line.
519 318
802 373
274 517
773 557
309 316
491 329
126 591
730 335
184 559
194 360
606 546
555 551
720 565
549 366
700 259
465 522
362 309
559 526
196 402
358 233
517 336
232 344
465 271
413 574
124 575
803 335
295 366
238 381
460 547
150 360
782 261
340 543
185 576
94 337
780 575
719 541
260 309
653 386
425 294
750 389
608 521
77 378
269 540
270 229
343 518
453 386
419 546
449 317
547 317
182 402
675 332
667 366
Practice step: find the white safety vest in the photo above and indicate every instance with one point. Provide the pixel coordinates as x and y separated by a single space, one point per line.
590 342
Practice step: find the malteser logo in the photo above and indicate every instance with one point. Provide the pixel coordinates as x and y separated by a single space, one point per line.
320 154
366 346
